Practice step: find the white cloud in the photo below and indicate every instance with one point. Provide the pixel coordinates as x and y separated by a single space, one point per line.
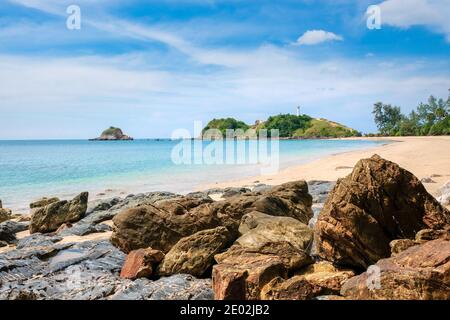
312 37
406 13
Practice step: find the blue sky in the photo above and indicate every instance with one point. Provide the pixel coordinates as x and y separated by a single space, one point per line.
153 66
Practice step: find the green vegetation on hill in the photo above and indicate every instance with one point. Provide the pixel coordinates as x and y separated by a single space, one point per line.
289 126
224 124
324 128
112 131
432 118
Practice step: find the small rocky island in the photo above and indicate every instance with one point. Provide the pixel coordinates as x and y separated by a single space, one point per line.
111 134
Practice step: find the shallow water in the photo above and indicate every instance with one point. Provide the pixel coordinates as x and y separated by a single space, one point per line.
32 169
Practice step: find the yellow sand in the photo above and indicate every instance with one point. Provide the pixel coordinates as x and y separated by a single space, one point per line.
423 156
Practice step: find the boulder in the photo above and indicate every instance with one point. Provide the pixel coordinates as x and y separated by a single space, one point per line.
161 225
195 254
141 263
257 228
242 277
291 257
295 288
421 272
377 203
318 279
164 223
5 214
7 235
50 217
43 202
444 194
285 237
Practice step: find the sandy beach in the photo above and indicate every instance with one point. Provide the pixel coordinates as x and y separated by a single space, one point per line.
423 156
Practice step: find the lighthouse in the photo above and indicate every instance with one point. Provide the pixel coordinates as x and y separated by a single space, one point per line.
298 111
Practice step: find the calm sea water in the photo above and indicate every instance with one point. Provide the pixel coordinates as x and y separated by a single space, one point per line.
32 169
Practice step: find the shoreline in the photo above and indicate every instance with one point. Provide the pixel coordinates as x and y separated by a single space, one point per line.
423 156
187 182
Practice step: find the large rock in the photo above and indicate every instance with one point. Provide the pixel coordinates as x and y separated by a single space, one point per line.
319 279
241 277
444 194
419 273
141 263
285 237
291 257
260 228
50 217
195 254
5 214
377 203
164 223
161 225
43 202
290 199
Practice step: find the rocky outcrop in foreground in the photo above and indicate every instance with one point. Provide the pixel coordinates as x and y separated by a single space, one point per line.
377 203
379 235
162 224
48 215
418 273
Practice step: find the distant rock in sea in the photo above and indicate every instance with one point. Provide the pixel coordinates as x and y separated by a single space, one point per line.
112 133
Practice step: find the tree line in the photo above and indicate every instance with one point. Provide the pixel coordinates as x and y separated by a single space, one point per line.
428 119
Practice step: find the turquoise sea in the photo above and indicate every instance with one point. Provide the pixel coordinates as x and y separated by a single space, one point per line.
32 169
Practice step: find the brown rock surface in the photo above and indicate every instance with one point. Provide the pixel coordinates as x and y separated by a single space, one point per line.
163 224
5 214
377 203
43 202
242 277
401 245
141 263
195 254
421 272
50 217
318 279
